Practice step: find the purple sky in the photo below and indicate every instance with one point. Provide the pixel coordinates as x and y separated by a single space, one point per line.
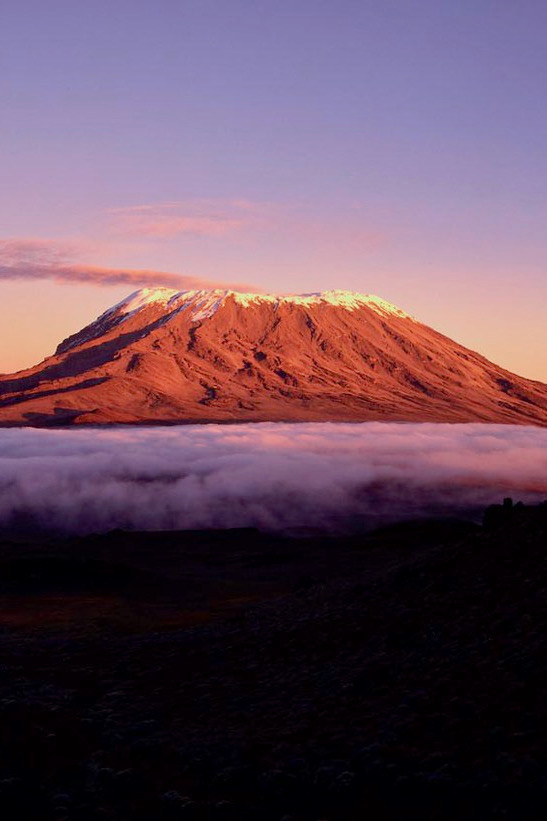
391 147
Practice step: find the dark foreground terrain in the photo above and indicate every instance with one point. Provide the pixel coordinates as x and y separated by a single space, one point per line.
235 675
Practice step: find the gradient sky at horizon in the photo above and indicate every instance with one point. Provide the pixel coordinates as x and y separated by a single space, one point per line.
393 147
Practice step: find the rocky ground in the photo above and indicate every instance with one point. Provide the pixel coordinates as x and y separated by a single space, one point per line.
239 676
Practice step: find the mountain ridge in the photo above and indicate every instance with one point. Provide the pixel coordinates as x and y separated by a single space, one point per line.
162 355
206 302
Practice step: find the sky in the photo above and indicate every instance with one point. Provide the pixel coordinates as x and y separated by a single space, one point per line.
394 148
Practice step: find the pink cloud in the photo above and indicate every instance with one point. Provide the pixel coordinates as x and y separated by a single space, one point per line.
36 259
243 218
28 251
200 218
170 226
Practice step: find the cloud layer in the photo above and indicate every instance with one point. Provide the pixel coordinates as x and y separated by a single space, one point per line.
334 477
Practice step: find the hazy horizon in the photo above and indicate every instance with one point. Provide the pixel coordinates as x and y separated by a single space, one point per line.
334 477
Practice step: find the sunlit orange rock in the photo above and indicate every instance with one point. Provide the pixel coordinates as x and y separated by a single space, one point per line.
221 356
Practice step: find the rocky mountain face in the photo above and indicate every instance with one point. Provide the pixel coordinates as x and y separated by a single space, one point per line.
221 356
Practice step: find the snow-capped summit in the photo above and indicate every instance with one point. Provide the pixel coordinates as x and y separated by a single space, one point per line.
162 355
202 304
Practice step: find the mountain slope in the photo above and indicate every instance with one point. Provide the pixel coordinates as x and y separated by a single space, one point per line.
168 356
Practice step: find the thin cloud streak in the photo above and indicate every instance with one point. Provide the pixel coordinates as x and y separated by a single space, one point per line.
165 226
335 477
239 218
33 259
195 218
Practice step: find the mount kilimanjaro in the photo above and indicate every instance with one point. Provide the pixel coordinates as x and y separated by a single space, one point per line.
164 356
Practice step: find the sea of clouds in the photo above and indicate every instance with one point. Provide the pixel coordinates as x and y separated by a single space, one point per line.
273 476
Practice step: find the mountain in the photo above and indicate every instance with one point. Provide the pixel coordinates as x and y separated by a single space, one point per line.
198 356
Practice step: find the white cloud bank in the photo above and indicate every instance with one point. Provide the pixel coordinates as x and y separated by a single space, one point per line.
271 476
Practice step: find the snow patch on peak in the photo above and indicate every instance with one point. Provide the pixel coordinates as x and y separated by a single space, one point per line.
203 303
348 300
143 297
351 300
